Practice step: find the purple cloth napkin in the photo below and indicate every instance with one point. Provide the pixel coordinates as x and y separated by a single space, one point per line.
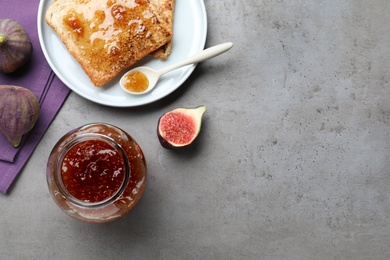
37 76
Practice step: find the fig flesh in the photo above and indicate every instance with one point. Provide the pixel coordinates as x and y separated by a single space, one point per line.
15 46
180 127
19 111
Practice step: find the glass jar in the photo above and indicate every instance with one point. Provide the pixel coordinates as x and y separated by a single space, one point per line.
96 173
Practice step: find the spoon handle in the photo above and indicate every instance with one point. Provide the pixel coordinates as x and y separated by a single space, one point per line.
201 56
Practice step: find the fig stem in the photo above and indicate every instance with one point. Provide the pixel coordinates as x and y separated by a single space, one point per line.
3 39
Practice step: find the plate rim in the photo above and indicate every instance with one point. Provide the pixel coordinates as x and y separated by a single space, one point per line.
189 70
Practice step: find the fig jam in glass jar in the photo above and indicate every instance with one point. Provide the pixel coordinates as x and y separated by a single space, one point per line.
96 173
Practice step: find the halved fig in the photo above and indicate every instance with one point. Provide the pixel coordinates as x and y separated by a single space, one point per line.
180 127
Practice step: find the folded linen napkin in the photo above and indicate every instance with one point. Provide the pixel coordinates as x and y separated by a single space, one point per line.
37 76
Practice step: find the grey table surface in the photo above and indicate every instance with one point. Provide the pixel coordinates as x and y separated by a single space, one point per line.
293 160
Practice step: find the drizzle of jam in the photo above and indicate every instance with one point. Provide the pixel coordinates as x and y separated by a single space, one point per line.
75 25
92 171
118 12
136 81
109 26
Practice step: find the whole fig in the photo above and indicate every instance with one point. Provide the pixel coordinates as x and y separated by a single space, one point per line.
19 111
15 46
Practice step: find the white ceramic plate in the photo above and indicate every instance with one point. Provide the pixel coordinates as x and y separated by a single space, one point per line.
190 30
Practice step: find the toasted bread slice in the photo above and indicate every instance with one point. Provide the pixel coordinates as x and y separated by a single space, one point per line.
106 36
166 9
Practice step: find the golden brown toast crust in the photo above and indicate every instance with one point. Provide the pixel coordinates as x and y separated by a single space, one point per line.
166 9
106 36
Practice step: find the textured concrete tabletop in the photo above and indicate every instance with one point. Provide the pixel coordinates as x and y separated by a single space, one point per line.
293 160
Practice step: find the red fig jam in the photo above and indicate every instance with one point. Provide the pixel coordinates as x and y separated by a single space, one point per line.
92 171
96 173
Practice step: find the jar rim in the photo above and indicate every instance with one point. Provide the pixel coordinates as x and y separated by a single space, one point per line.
64 149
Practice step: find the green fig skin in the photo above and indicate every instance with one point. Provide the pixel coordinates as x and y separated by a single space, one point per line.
180 127
19 111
